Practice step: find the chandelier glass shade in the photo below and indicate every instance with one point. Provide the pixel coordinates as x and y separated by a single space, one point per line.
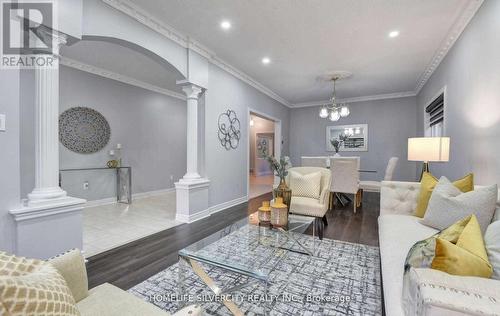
334 111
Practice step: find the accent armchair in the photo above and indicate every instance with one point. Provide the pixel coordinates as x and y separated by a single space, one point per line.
304 204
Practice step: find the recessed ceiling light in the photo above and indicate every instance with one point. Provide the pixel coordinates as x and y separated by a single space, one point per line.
225 25
394 34
266 60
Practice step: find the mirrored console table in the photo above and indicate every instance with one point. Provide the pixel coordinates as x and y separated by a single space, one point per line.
123 181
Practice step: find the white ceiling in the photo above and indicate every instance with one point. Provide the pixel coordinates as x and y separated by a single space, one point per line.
306 39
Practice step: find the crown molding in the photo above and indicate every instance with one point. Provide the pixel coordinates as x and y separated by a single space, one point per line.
249 80
68 62
396 95
145 18
454 33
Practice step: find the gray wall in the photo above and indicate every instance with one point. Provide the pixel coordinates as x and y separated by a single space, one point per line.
228 170
9 156
390 123
150 126
471 74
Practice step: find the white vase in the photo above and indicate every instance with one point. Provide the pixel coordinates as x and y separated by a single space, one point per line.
336 155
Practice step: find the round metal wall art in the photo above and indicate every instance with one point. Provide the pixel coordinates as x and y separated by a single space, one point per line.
229 130
83 130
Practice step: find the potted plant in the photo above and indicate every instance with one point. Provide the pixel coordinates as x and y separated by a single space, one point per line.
336 143
280 169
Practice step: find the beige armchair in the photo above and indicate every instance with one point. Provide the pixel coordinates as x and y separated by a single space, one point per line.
105 299
315 207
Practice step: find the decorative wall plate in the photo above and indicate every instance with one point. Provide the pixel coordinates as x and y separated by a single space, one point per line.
229 130
83 130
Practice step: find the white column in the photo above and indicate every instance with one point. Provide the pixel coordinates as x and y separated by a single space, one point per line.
47 132
192 92
51 222
192 189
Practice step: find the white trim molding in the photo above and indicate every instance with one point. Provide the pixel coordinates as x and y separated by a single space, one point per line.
456 30
145 18
222 206
64 205
68 62
135 196
358 99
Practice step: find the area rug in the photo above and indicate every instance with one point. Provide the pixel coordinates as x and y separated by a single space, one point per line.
341 279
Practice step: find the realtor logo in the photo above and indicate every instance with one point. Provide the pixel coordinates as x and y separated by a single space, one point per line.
26 34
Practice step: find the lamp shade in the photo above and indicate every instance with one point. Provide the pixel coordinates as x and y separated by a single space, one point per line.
429 149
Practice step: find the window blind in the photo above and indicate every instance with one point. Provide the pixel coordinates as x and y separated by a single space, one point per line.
435 111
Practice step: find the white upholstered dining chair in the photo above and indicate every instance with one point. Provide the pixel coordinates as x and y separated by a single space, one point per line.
345 178
321 161
306 202
356 158
374 186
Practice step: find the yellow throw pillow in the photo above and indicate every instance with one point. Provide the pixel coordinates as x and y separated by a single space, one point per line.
466 257
428 184
33 287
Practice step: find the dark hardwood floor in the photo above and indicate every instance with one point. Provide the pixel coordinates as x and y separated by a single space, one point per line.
136 261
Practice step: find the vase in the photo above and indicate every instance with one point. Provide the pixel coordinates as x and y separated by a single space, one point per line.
284 192
279 213
265 213
336 155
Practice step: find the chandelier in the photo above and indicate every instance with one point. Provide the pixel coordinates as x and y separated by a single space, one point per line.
333 110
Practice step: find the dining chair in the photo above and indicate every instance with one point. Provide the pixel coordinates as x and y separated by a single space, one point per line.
321 161
345 178
357 158
313 204
374 186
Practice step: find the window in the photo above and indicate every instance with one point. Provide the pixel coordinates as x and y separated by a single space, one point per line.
434 117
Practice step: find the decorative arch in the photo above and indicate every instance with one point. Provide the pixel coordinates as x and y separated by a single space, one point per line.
102 22
157 58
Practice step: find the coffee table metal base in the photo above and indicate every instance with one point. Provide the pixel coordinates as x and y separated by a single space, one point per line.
186 263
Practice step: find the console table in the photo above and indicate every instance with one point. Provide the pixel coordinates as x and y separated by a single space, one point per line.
123 181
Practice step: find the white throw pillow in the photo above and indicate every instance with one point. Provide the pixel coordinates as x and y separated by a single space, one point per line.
448 205
492 243
308 185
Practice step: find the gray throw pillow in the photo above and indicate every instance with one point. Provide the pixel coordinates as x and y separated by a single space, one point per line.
448 204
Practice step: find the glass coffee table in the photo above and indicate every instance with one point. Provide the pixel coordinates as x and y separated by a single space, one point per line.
245 248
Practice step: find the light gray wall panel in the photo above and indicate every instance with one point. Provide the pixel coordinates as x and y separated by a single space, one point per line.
471 74
9 156
228 170
150 126
390 123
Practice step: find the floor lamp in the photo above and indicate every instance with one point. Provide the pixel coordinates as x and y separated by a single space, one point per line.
428 149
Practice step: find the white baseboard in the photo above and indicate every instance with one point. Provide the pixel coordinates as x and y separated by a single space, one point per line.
211 210
222 206
135 196
192 218
142 195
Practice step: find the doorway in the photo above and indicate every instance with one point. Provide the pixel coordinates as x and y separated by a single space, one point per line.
263 142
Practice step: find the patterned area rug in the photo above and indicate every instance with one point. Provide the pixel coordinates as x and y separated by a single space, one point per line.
341 279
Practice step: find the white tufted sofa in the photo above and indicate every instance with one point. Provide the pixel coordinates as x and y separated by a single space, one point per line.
429 292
